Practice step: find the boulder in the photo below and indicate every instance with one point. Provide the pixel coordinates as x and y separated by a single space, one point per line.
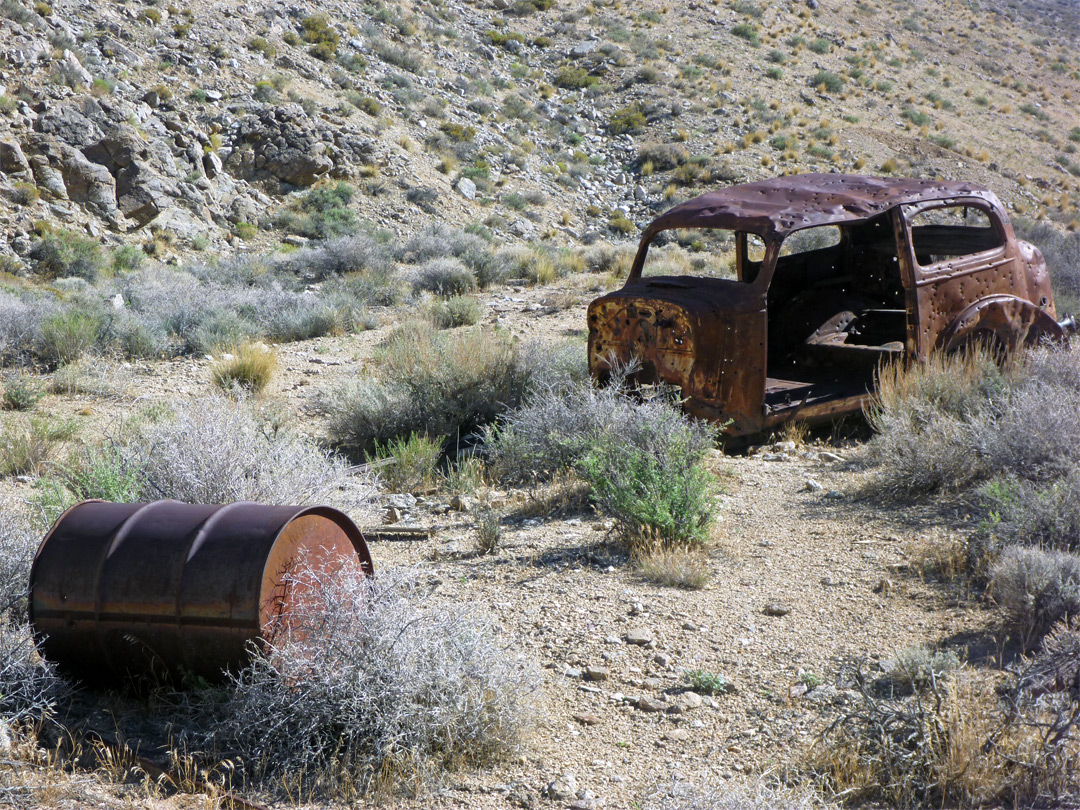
12 159
280 142
87 182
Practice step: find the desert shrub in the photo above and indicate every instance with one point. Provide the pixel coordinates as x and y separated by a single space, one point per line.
441 241
415 458
444 384
249 366
736 794
63 253
19 538
373 687
663 156
648 473
554 428
460 310
1039 515
1035 589
68 334
321 213
827 81
20 393
488 532
337 257
923 414
748 32
30 689
573 77
446 276
26 448
627 120
917 667
20 324
971 740
213 451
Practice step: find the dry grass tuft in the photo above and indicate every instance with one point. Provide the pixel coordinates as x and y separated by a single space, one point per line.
675 567
248 367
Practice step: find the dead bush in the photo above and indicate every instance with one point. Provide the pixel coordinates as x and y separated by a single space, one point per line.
971 739
377 687
30 689
19 538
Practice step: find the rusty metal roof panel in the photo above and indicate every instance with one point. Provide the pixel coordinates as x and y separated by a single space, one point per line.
781 205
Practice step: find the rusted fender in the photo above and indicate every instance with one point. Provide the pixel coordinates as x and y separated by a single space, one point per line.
1005 320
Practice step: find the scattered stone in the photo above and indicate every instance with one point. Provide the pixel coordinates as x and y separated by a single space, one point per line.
663 659
596 673
797 690
677 734
834 495
562 788
829 581
813 486
688 701
392 515
587 718
777 609
884 586
466 188
583 49
461 503
641 636
825 455
648 704
572 672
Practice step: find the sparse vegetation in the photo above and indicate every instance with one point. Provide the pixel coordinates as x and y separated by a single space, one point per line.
248 367
375 687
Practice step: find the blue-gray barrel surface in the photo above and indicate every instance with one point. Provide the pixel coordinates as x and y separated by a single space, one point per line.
168 589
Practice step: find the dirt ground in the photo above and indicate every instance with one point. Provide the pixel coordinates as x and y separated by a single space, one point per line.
808 578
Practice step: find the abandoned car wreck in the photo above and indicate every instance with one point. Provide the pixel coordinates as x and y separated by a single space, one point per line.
829 275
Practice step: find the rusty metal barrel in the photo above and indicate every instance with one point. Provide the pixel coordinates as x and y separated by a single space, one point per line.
166 589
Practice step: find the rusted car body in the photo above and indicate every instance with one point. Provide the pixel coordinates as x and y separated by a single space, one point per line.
830 276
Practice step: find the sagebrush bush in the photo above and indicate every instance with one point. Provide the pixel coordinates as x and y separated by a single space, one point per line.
19 538
459 310
441 241
373 685
30 688
443 384
1035 589
213 451
445 276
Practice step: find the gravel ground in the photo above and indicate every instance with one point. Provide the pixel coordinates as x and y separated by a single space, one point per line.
807 578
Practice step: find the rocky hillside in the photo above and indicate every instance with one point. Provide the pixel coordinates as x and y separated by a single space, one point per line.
190 126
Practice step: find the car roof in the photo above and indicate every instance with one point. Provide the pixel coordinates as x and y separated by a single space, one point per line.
781 205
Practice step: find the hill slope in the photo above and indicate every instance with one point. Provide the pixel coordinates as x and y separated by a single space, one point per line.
197 122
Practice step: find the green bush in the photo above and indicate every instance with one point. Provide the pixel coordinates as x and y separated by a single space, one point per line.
827 81
415 460
627 120
321 213
458 310
918 118
656 487
572 77
68 335
747 32
62 253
